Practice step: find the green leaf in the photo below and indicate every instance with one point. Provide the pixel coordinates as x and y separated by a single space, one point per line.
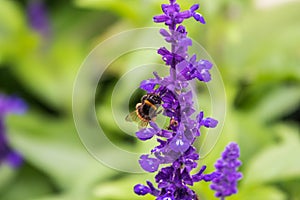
264 44
54 197
50 76
15 38
244 193
259 192
129 9
120 189
281 101
7 174
54 147
277 162
29 183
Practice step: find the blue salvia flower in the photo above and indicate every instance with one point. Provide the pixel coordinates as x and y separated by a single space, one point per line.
9 105
227 165
176 141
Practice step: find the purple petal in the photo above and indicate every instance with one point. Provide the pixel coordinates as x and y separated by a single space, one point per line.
164 174
185 42
194 8
198 17
154 191
158 148
146 133
186 98
200 117
205 64
188 110
164 8
176 7
181 29
140 189
172 1
160 18
204 75
164 32
149 164
163 51
148 85
166 134
166 196
210 177
185 14
210 122
182 65
154 126
185 175
180 143
186 74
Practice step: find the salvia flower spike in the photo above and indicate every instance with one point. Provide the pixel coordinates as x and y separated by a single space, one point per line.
175 143
226 166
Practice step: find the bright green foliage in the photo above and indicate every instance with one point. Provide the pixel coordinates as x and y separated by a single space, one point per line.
256 50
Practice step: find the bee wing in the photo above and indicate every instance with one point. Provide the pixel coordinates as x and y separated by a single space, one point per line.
142 124
132 117
153 112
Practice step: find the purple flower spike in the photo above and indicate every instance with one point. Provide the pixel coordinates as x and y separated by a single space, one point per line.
9 105
226 166
175 140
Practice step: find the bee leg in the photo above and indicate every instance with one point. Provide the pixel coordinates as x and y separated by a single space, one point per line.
158 112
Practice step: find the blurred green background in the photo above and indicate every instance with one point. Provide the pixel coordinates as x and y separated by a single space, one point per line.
255 45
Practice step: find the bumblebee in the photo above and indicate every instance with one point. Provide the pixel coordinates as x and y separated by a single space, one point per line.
146 110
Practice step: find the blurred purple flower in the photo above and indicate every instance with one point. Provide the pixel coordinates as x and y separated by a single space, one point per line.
38 17
9 105
226 184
